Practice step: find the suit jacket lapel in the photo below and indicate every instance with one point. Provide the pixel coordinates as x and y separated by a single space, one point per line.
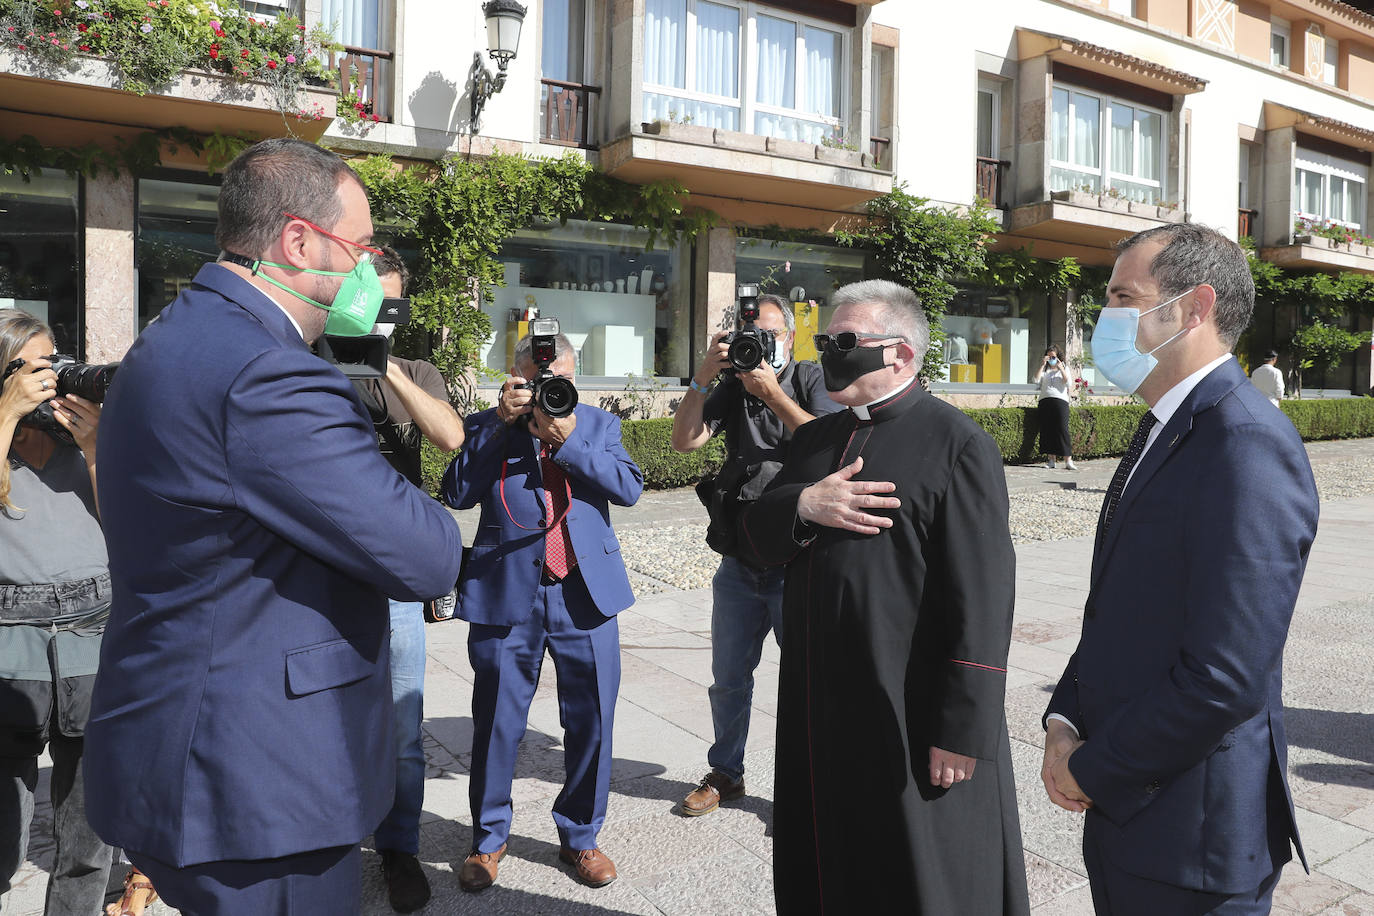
1213 387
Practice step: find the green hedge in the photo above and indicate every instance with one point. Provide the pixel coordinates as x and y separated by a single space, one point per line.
1098 431
1346 418
649 443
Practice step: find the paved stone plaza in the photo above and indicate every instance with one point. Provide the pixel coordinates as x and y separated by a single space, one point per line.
720 864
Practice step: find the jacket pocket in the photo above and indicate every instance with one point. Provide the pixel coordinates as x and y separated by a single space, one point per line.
612 545
336 663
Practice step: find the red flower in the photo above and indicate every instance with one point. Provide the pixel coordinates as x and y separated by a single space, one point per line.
219 33
300 28
83 47
214 53
376 118
82 27
358 106
244 54
57 12
271 65
22 47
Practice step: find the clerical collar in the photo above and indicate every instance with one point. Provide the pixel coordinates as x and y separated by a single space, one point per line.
866 411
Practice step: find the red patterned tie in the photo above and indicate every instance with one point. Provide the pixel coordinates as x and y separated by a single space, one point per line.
558 550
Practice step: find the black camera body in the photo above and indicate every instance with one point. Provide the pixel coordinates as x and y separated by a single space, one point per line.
555 395
749 346
365 356
85 380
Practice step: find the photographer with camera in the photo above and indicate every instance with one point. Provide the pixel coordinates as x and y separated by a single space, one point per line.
544 574
409 403
759 409
54 597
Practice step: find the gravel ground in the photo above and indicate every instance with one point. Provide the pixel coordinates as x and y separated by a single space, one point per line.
676 556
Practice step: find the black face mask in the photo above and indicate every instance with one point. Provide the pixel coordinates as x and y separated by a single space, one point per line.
844 367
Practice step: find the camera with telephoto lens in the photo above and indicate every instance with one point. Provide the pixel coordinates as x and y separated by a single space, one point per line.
85 380
553 394
750 346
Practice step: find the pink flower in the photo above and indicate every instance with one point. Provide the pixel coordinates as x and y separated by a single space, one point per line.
290 58
214 25
787 267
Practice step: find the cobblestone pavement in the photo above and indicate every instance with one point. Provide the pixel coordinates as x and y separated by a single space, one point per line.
721 863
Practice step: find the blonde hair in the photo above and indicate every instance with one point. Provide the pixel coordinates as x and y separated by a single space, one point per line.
17 328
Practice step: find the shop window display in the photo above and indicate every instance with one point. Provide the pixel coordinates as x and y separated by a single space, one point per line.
990 336
40 253
624 307
176 236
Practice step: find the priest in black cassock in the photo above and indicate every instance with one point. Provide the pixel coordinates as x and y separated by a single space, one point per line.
894 789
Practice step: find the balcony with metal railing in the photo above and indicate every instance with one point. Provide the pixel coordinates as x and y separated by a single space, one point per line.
569 115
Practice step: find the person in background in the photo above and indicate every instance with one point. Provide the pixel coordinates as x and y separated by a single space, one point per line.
1056 393
545 576
408 405
1268 379
54 587
758 411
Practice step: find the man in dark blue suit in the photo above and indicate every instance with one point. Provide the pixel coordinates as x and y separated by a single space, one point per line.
1167 725
240 741
544 572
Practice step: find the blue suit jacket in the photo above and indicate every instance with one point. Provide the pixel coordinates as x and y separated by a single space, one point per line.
1177 683
504 566
243 704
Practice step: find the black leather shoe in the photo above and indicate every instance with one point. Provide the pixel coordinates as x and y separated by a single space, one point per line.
406 885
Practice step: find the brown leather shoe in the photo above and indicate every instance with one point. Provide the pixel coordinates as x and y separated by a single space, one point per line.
479 870
594 867
714 789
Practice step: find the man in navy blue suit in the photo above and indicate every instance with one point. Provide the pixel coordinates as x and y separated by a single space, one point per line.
240 741
1167 725
544 573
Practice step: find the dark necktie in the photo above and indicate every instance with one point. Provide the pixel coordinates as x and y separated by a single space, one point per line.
1128 463
558 550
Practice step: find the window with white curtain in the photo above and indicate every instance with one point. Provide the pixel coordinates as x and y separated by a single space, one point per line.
743 66
1329 190
1083 124
356 23
564 40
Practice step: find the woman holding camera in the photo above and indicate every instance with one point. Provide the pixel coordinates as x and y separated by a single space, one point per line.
1056 392
54 597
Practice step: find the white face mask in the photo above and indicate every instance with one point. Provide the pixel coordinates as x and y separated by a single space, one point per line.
1114 349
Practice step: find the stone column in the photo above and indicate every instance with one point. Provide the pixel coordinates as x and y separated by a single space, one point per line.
622 102
1033 88
1276 212
715 285
111 304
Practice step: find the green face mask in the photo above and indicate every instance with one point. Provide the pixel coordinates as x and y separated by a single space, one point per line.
354 309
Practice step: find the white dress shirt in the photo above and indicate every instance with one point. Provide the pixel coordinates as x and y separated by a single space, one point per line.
1269 380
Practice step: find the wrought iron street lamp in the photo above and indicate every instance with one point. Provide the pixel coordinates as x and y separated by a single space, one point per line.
504 18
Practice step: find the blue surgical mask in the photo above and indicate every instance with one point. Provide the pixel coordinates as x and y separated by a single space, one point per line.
1114 350
1053 361
779 360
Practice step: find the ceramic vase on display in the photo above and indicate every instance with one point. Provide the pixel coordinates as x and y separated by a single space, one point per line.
632 283
620 286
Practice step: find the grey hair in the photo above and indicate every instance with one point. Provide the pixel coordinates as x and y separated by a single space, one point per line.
782 305
269 180
1194 254
899 310
17 328
524 350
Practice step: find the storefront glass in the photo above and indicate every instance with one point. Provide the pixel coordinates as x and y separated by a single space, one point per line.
995 337
40 253
626 309
804 273
176 235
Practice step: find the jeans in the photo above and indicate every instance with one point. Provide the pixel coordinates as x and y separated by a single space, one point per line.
746 604
400 831
81 865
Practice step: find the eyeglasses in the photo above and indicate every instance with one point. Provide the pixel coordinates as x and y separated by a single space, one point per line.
337 238
848 340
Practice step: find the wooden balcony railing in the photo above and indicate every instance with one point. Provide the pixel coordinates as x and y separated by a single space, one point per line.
568 113
881 148
1246 223
366 73
989 178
